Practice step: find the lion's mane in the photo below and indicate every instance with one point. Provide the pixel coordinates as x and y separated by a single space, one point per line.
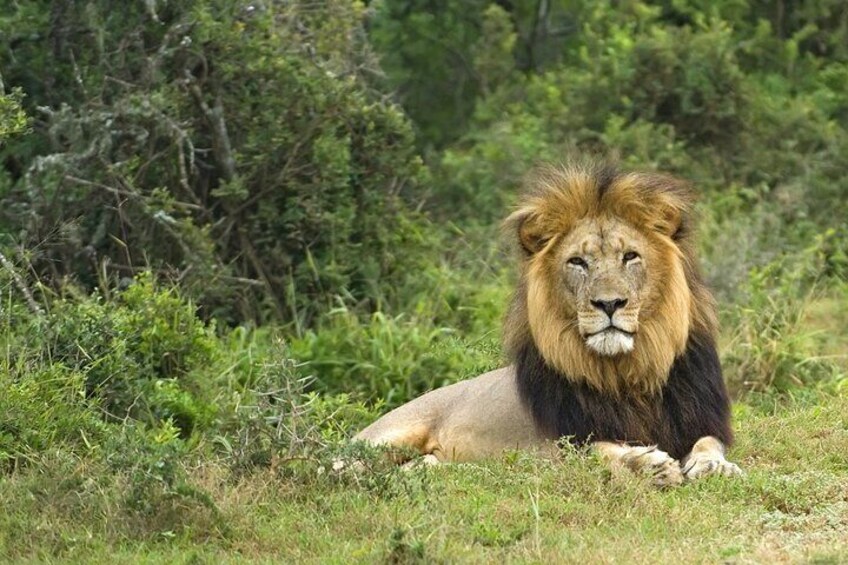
669 390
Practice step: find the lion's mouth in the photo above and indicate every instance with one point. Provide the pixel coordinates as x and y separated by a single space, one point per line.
610 328
611 341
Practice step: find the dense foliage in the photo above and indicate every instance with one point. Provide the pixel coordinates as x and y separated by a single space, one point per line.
238 148
231 232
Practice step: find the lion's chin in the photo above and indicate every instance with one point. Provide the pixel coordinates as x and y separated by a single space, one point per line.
610 342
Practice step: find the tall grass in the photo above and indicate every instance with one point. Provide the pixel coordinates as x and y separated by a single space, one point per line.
770 344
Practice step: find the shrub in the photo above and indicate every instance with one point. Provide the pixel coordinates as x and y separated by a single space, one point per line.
142 354
240 151
393 359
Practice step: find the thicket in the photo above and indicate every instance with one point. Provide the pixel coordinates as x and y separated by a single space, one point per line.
236 148
235 231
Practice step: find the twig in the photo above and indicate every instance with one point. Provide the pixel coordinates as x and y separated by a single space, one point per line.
19 282
250 252
223 149
126 193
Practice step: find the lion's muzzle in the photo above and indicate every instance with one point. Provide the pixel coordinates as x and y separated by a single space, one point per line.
609 329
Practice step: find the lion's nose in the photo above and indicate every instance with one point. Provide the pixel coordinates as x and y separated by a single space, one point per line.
609 306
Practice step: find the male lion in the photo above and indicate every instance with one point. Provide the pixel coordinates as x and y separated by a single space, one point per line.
611 332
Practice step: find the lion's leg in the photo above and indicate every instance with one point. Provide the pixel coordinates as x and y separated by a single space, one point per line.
663 469
416 436
707 458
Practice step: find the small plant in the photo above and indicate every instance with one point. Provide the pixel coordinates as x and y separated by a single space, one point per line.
159 498
404 551
273 423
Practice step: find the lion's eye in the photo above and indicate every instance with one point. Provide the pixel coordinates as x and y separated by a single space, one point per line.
578 262
630 256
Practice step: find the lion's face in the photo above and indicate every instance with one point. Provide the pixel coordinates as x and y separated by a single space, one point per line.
609 288
603 270
601 284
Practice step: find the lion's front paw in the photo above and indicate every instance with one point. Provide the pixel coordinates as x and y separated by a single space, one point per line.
662 468
702 465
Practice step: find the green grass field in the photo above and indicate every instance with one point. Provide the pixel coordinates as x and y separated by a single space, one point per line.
791 506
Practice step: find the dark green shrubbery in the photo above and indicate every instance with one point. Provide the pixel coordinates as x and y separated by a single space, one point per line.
143 354
239 147
680 99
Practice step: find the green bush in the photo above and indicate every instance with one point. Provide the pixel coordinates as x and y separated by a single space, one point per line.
241 151
143 354
393 359
139 383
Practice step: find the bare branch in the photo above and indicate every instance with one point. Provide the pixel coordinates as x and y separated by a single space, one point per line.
19 282
215 115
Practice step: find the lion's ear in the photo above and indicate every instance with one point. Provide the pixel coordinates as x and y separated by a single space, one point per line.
527 225
669 220
672 206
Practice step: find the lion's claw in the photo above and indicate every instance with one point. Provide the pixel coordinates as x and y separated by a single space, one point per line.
663 469
703 465
668 474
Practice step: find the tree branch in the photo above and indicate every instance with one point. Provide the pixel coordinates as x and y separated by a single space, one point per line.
215 115
19 282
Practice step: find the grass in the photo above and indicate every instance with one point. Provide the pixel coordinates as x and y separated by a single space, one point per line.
828 317
792 505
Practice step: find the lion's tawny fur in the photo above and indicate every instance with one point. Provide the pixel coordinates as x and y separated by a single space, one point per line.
656 205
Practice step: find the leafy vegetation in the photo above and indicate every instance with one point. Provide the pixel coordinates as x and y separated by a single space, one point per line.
233 233
239 150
